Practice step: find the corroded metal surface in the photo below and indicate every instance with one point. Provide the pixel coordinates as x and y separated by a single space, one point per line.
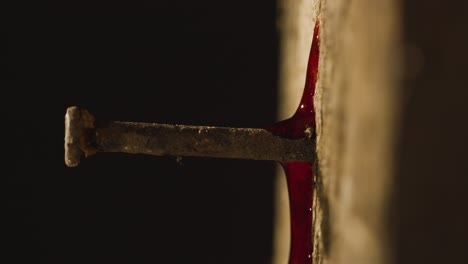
82 138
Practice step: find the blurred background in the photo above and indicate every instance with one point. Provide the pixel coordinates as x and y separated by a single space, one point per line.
199 63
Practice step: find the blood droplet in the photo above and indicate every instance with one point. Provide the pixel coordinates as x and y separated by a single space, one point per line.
299 175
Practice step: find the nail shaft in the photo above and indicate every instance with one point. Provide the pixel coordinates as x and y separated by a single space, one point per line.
179 140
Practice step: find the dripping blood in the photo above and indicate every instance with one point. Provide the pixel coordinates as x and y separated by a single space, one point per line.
299 175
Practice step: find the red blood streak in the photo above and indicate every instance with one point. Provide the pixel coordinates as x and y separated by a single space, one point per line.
299 175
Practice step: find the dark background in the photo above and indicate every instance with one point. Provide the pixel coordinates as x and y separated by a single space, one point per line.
432 174
191 62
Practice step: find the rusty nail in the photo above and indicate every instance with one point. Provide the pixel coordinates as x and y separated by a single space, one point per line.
83 138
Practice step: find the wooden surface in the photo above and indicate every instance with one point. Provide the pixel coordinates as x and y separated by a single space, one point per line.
357 109
357 112
296 20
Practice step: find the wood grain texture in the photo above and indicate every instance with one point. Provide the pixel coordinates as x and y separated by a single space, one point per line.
357 109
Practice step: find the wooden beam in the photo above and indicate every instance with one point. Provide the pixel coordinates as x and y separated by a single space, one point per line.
357 105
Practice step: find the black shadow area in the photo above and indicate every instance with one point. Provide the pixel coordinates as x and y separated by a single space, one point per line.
200 63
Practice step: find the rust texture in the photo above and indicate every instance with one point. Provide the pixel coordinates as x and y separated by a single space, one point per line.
177 140
79 126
